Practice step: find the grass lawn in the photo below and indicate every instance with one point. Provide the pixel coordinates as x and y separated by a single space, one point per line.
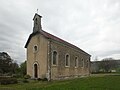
88 83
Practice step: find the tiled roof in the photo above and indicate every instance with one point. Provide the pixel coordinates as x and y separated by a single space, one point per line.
50 36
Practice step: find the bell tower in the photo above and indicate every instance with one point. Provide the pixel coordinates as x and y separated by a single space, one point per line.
37 23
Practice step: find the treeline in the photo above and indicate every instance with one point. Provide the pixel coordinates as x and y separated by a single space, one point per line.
9 67
105 65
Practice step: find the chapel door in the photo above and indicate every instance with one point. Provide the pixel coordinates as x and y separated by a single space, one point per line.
35 71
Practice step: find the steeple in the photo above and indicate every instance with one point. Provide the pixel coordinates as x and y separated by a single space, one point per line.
37 23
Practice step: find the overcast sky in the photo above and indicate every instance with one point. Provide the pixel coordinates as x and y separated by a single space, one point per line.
92 25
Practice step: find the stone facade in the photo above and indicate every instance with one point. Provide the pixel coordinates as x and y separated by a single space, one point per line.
53 58
60 70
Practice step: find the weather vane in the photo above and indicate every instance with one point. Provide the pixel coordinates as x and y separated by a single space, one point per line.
37 10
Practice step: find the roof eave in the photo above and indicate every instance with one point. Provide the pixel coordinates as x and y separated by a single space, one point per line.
31 35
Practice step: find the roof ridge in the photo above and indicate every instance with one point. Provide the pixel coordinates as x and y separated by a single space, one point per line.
51 36
48 35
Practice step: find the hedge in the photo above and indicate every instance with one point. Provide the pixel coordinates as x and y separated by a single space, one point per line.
7 80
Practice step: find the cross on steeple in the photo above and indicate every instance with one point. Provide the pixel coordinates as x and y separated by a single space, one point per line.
37 10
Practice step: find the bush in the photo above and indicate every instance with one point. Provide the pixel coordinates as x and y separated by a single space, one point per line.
39 79
8 80
16 76
25 81
44 79
27 77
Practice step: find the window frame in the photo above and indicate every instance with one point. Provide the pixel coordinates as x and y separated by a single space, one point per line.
56 58
68 60
82 63
87 63
76 62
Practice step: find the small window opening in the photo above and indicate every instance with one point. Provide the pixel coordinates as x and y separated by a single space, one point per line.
67 60
35 48
76 62
54 58
36 21
87 64
82 63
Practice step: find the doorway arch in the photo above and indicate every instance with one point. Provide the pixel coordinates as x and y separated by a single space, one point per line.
36 70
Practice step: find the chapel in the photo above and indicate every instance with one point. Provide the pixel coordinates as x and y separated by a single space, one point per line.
53 58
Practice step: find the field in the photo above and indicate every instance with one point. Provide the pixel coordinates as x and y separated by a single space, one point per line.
86 83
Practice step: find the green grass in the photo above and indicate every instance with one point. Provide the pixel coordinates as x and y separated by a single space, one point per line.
89 83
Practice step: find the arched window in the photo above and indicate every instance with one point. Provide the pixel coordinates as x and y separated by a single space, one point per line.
87 63
82 63
54 59
76 62
67 60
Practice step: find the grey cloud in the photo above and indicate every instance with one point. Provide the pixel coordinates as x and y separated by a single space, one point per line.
92 25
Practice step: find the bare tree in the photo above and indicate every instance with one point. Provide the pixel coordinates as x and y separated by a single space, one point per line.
108 64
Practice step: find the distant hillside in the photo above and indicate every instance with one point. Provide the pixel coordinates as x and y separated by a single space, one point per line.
106 65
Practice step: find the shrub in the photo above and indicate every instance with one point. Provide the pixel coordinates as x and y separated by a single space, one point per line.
16 76
8 80
39 79
44 79
25 81
27 77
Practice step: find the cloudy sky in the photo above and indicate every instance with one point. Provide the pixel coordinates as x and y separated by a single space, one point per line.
92 25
